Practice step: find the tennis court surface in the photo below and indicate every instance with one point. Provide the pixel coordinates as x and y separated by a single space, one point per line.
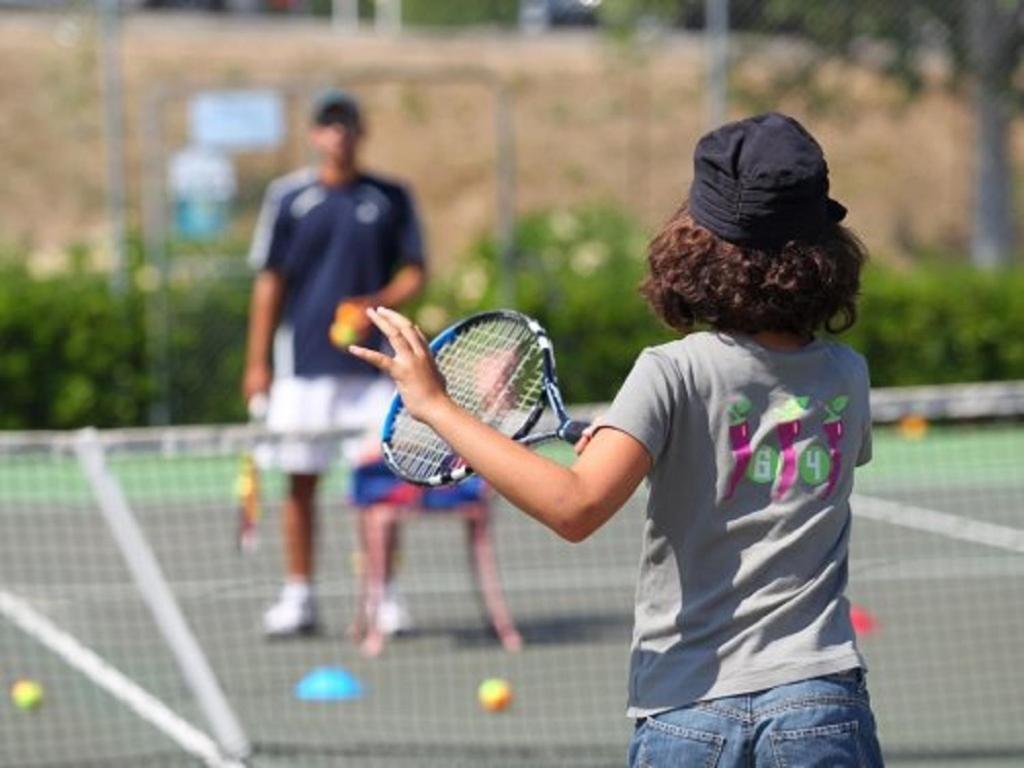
936 580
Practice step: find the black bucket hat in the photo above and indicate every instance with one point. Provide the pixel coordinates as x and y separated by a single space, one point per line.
761 182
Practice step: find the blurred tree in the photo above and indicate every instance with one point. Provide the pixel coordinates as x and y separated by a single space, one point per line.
981 39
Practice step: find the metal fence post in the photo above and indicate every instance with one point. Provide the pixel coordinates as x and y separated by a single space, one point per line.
110 67
717 34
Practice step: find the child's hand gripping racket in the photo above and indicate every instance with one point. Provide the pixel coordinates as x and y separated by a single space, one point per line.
247 485
498 366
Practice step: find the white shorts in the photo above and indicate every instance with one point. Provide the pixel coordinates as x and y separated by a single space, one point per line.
321 403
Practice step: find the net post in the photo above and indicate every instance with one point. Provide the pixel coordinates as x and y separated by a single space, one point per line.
152 585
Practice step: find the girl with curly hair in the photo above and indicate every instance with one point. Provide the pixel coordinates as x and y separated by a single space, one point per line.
747 430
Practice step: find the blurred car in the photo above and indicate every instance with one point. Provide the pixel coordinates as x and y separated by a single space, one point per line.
573 13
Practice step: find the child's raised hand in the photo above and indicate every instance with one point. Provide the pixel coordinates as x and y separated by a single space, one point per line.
416 376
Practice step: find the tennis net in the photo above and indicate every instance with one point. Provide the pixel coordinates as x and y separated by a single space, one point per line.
936 579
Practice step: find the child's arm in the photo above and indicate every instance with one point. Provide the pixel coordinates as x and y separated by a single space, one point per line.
572 501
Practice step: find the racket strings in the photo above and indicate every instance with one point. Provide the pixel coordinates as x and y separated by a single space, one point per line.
416 448
494 370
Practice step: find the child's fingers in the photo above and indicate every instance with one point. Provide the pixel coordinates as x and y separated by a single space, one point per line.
389 329
373 357
393 315
410 333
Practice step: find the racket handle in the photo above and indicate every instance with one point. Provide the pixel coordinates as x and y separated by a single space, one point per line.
572 431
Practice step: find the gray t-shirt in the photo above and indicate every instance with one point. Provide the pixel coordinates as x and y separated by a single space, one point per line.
745 541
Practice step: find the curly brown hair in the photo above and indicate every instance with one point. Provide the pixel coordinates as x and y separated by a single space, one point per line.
697 278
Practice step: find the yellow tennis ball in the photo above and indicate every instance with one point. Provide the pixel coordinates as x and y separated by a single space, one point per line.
342 335
27 694
494 694
913 427
349 314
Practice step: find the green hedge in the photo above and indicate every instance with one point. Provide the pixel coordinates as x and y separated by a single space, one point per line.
441 13
447 13
72 354
206 350
941 325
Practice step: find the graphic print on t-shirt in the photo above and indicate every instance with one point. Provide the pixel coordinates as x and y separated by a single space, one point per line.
779 460
739 441
833 427
787 428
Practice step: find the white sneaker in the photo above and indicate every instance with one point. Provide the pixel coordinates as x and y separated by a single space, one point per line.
293 614
393 616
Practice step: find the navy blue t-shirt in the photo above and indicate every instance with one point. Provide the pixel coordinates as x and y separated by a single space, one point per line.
331 244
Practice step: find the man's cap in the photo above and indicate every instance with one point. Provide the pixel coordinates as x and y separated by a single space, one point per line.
761 182
337 107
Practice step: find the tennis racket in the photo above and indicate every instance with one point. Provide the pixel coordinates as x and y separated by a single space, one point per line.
500 367
247 486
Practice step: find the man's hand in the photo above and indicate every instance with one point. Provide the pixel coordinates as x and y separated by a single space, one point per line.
255 381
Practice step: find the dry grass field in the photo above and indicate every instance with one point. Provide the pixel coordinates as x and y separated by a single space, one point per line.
592 122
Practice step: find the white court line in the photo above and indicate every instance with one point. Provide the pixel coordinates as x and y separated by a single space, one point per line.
140 701
938 523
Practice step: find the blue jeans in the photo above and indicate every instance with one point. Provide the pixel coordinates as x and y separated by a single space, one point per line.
823 722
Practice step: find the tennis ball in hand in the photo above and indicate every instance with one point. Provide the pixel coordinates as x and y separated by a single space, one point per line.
350 324
342 335
350 313
26 694
494 694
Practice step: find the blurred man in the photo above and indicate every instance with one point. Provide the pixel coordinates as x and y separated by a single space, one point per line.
330 241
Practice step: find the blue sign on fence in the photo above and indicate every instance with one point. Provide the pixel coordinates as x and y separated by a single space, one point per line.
237 120
203 185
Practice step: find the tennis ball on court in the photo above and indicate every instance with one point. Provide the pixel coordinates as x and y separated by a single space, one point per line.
494 694
26 694
913 427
